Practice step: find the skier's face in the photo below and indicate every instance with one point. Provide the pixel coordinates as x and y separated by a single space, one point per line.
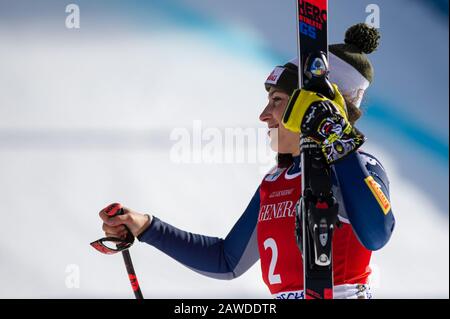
281 139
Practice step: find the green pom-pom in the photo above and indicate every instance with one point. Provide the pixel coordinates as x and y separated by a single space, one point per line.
364 37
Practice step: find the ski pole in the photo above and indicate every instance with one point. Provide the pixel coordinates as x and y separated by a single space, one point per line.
104 246
132 274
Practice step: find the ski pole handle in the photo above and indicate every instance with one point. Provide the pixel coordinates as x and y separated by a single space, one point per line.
113 245
123 246
116 210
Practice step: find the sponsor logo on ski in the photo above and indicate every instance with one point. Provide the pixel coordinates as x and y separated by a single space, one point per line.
308 30
312 12
312 18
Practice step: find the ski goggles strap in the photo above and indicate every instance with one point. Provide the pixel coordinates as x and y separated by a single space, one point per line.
113 245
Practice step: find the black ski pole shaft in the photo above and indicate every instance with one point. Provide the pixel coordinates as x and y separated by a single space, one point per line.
132 275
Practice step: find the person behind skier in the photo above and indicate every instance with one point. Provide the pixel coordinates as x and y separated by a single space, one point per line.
266 229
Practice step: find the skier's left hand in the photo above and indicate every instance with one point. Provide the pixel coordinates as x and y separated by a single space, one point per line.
325 121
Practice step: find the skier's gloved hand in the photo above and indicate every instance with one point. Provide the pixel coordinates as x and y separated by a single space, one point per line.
136 222
323 120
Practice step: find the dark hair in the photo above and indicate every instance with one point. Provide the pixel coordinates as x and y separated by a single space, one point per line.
353 112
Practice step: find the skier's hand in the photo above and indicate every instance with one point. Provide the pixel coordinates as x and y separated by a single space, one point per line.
325 121
136 222
301 100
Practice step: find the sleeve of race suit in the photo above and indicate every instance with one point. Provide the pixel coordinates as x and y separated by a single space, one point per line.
364 187
210 256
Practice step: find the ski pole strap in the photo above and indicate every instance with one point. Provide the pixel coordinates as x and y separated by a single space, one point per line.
112 245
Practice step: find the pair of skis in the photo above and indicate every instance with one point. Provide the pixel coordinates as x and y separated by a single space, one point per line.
317 217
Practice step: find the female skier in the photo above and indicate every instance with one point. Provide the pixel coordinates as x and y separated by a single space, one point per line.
266 229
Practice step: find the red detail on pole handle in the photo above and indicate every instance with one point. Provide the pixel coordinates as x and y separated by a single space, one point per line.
104 250
113 210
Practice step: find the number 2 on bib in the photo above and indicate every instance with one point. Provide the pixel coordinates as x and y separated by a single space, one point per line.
273 278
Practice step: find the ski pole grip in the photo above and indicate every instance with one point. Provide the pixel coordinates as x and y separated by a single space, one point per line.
113 210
